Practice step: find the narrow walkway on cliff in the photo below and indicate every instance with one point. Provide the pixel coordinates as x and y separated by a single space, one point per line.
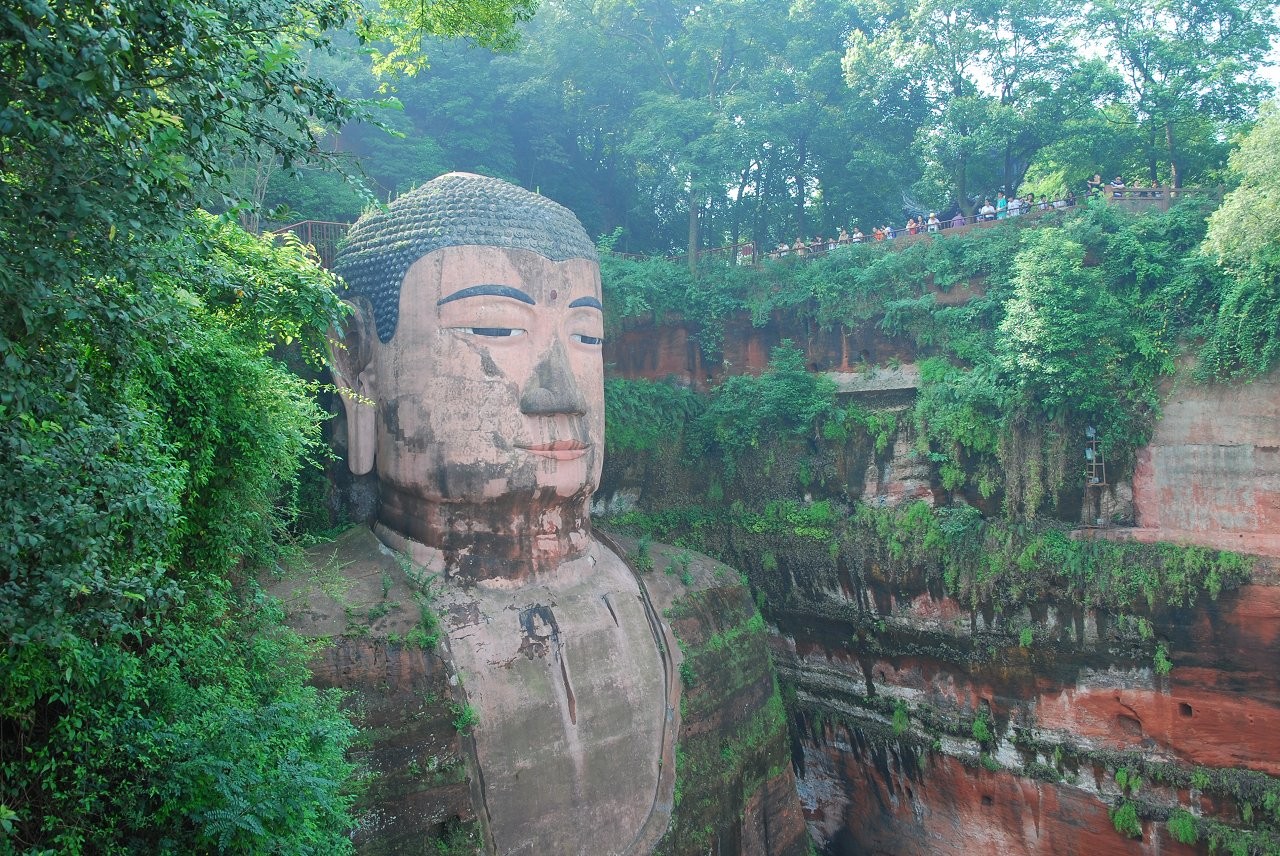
325 236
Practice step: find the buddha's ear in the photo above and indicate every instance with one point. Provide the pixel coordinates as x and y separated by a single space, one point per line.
351 351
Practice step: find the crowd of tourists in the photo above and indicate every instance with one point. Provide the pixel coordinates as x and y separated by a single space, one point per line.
1002 207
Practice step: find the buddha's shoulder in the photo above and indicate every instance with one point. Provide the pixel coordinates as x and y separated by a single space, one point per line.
349 585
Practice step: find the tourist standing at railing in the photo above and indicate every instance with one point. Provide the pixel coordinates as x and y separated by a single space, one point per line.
858 237
957 220
1015 206
798 247
889 234
987 211
1117 187
844 236
1094 185
1002 206
934 224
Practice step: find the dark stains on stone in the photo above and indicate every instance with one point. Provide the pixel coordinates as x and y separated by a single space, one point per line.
538 631
464 614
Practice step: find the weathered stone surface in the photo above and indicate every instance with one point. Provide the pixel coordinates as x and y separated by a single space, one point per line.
902 476
355 595
671 350
1211 474
886 799
1218 708
569 681
734 777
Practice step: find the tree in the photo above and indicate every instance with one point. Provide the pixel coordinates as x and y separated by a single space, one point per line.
1185 61
995 77
400 28
1243 335
151 697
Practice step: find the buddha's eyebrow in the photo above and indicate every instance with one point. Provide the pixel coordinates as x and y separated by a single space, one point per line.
589 302
487 291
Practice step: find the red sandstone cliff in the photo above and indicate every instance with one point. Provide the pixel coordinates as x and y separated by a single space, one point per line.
884 717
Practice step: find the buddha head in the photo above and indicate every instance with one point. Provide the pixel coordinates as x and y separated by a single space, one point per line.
472 374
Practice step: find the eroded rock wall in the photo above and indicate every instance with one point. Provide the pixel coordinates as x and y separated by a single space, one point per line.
1211 474
891 760
921 724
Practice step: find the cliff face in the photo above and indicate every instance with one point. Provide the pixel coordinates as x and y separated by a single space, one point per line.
1031 722
889 748
1211 474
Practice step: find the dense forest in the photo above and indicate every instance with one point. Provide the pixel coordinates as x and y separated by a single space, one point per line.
156 404
750 121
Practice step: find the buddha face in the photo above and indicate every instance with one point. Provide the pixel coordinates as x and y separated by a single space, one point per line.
489 394
493 382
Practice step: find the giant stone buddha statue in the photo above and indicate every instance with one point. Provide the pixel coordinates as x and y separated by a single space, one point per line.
473 386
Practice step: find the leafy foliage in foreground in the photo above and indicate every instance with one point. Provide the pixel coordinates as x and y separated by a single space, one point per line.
149 696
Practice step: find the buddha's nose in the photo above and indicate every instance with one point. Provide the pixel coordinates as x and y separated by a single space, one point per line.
552 389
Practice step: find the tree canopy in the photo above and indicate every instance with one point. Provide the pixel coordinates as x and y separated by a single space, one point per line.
735 121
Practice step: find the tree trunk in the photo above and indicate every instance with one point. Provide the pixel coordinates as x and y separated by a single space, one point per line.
737 205
1176 179
694 203
1009 182
801 157
757 216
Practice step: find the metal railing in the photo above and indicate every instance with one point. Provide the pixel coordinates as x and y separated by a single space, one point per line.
1130 198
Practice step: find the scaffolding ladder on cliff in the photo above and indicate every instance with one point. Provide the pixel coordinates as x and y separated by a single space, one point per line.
1095 474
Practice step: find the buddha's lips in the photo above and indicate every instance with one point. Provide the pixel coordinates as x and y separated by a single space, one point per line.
559 450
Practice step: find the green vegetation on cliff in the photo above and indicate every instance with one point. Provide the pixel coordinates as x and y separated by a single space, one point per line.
739 744
981 562
1073 323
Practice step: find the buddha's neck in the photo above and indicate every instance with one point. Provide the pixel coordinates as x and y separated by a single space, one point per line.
514 537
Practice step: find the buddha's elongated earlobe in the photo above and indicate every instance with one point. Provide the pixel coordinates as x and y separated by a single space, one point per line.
351 352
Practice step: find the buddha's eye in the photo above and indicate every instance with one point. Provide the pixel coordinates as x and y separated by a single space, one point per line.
587 340
495 332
